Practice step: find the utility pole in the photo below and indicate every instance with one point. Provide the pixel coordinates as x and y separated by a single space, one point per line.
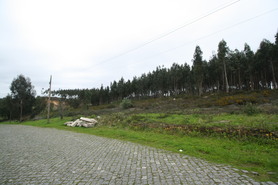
49 94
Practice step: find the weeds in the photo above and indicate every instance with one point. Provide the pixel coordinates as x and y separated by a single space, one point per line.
126 104
113 120
250 109
242 99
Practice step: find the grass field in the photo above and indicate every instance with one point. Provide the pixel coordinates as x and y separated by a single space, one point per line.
259 156
222 120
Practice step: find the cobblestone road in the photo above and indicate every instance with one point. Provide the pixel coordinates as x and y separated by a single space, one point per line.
31 155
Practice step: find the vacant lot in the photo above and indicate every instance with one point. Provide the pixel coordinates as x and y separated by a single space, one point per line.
238 130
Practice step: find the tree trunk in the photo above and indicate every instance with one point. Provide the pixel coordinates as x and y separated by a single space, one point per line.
175 87
251 82
200 89
239 80
273 75
264 79
251 78
223 80
100 100
225 76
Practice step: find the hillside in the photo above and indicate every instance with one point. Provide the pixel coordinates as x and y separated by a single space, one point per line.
266 101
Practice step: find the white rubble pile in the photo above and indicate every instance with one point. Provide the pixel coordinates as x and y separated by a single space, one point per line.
82 122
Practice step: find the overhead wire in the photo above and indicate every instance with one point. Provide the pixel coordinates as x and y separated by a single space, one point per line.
211 34
219 8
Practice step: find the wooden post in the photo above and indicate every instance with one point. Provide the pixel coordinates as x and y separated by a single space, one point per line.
49 94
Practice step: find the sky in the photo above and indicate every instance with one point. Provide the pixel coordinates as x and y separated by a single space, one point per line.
89 43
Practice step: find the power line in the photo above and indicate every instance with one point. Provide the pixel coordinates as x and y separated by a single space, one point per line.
172 31
214 33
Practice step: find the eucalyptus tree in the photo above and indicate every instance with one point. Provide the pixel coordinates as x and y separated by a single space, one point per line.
176 78
214 73
265 56
198 69
186 78
113 90
163 80
222 54
249 59
275 57
238 68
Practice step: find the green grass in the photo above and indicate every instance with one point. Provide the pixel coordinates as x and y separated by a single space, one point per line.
248 155
265 121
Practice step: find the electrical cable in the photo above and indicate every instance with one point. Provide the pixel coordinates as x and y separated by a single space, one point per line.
172 31
211 34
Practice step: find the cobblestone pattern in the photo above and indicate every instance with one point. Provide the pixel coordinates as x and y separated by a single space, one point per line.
31 155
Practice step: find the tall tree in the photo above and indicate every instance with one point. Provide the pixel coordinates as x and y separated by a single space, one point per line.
214 73
121 88
275 57
22 91
266 55
176 78
237 68
198 69
222 52
249 57
186 78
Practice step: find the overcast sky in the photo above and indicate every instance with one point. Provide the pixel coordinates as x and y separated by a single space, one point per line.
86 43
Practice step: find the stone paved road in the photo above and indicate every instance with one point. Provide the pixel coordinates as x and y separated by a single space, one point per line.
31 155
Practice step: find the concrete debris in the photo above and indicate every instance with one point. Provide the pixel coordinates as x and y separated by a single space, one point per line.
82 122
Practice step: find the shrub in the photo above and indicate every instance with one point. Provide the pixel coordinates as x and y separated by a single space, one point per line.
238 99
114 119
250 109
126 104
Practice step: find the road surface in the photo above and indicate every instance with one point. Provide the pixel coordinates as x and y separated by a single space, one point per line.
32 155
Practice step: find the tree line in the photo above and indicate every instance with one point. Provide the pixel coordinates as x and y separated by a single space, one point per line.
227 70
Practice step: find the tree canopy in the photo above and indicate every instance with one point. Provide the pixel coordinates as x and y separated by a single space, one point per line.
22 99
226 71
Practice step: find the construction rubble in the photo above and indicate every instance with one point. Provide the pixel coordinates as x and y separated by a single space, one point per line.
82 122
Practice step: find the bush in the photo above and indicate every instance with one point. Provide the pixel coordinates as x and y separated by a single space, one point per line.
126 104
250 109
114 119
